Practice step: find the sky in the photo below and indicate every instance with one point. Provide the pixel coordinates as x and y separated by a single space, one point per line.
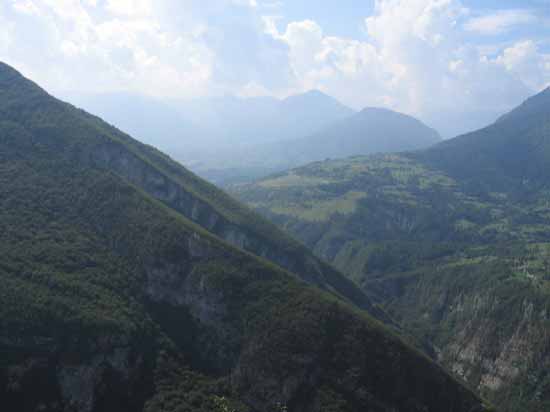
445 61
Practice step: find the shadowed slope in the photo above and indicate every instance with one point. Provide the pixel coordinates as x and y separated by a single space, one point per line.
114 301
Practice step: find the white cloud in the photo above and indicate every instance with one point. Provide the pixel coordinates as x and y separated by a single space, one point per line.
416 41
253 89
516 55
415 59
524 59
5 36
69 48
500 21
328 63
93 46
414 56
26 7
130 7
249 3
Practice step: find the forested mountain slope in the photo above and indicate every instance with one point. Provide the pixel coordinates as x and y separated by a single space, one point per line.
454 241
80 137
114 298
511 155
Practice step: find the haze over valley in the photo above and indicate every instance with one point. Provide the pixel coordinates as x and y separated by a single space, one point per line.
242 139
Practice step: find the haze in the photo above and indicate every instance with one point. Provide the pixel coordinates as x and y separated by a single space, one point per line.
456 65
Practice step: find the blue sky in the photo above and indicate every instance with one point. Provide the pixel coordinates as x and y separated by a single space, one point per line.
346 17
445 61
338 18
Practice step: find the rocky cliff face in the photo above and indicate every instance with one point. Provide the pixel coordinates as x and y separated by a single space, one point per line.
492 358
171 184
116 158
496 341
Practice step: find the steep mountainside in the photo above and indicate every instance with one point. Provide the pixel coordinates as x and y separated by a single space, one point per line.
115 298
454 241
78 136
511 155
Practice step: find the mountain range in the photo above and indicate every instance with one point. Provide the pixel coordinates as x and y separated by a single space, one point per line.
453 241
130 284
230 139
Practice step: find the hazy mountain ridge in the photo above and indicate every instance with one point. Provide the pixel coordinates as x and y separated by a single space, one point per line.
230 139
115 301
372 130
452 240
226 120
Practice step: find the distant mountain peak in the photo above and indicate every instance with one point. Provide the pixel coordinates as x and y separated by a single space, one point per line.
313 95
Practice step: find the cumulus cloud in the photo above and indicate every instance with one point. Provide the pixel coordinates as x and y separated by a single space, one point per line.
527 62
338 66
416 56
130 7
250 3
415 59
105 46
500 21
176 48
26 7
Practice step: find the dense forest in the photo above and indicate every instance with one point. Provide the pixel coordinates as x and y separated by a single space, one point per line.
127 287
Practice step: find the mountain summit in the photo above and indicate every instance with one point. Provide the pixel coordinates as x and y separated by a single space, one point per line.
372 130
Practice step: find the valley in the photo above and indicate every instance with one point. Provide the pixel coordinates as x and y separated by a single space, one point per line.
452 241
